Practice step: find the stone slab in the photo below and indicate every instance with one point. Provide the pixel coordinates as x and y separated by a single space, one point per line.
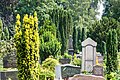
87 77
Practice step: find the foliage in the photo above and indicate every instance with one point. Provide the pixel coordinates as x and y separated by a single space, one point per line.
75 39
49 45
49 75
4 33
67 56
50 64
48 26
112 52
76 61
84 35
111 76
99 30
27 45
63 21
79 47
6 47
7 9
112 9
42 77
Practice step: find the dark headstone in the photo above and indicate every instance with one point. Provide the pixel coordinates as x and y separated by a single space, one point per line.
66 71
5 75
98 70
10 61
64 61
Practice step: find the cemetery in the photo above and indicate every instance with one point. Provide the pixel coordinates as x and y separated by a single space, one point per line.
59 40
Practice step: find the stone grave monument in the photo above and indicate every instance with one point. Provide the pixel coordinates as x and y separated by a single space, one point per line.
10 61
70 46
66 71
88 54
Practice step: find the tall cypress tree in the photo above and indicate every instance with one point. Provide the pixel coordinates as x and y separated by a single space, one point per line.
75 39
112 48
27 45
109 52
79 39
63 21
83 34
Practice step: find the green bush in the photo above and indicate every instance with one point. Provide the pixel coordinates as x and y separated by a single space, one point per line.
49 75
42 77
50 64
76 61
67 56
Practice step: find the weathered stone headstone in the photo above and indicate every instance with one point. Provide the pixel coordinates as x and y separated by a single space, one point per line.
10 61
70 46
64 61
5 75
87 77
88 54
98 70
66 71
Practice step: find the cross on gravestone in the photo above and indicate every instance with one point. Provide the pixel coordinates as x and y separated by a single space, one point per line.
88 54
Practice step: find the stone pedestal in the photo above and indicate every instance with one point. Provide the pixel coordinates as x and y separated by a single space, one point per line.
71 52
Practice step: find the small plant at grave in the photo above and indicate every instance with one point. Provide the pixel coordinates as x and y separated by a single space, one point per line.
111 76
67 56
50 63
76 61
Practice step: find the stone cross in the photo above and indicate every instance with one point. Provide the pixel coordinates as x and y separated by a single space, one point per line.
88 54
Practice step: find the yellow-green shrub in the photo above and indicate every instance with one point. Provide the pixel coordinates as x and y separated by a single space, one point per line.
27 45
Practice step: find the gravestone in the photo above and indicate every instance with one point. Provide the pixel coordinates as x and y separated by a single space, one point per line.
98 70
66 71
10 61
70 46
5 75
88 54
87 77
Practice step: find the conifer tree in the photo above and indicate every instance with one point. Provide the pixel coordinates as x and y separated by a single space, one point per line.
75 39
112 48
79 39
83 34
27 45
1 27
63 21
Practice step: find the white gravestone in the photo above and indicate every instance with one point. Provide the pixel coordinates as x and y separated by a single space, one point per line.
88 54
